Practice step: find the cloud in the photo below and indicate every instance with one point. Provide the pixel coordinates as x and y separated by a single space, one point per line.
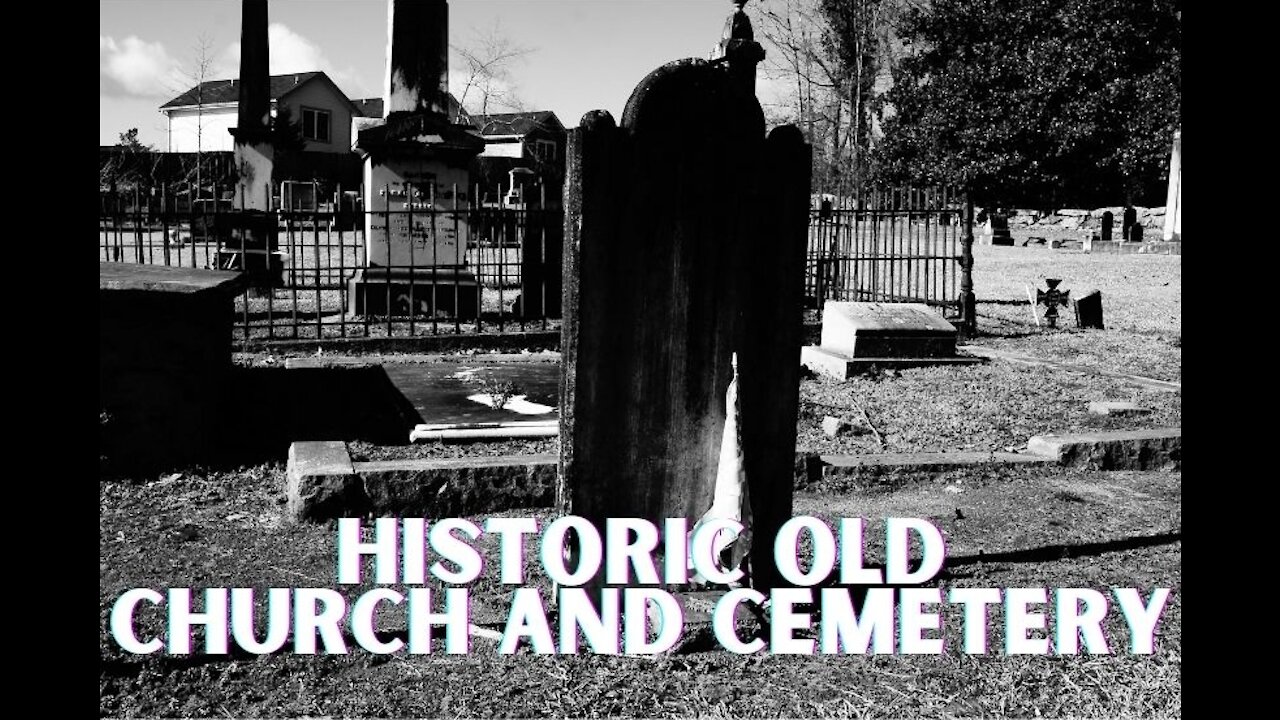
290 53
136 67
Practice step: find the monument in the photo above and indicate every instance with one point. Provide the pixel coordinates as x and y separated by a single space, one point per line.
249 235
685 236
416 178
857 335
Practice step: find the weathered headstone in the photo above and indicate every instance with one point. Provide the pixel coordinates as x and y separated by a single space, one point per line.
1135 233
1088 309
997 229
416 178
685 236
1130 218
1108 221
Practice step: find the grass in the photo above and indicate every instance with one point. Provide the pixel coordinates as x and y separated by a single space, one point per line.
1141 298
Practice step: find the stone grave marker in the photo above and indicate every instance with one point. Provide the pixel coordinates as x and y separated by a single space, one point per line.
1108 221
416 178
1052 299
1130 218
858 334
685 237
997 228
1088 309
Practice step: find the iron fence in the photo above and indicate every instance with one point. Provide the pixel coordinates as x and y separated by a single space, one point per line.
317 271
893 245
323 267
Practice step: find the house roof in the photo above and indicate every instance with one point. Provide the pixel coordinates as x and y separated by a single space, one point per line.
373 107
517 123
228 91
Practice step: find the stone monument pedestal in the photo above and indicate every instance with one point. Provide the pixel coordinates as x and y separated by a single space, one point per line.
431 291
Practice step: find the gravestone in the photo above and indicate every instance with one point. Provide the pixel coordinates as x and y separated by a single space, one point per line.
685 236
1130 219
1135 232
164 362
1108 221
416 178
1088 309
997 228
858 334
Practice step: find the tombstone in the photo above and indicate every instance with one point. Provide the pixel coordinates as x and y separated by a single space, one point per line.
1130 219
856 335
1088 309
997 228
416 178
164 364
249 235
1108 221
1173 200
685 237
1135 232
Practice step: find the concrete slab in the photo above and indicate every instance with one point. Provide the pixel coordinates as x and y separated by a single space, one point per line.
878 330
458 486
1158 449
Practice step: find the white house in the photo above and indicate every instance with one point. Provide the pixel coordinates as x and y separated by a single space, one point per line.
199 119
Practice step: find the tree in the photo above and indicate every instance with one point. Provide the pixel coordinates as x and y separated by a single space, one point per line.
129 162
486 64
1032 101
831 53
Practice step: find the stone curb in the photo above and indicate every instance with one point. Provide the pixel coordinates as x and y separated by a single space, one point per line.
323 482
1157 449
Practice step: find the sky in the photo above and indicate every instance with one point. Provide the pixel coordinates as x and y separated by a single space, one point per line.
583 54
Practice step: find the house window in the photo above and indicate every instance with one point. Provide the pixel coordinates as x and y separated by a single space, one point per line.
315 124
544 150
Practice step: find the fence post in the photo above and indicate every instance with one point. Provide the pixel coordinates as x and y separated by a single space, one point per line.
968 301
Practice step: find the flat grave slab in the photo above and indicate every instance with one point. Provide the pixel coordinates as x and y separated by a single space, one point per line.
886 330
856 335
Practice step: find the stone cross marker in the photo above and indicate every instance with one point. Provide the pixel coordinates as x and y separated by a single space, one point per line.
685 234
1053 298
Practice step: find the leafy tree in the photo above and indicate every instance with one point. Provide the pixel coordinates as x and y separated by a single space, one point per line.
1028 101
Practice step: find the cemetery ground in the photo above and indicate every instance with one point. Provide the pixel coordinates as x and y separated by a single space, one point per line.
1006 526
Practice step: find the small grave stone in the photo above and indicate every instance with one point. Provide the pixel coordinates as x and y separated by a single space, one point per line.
1108 221
997 231
1088 309
1135 233
1130 219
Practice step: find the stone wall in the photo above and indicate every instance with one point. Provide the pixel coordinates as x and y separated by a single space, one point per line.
1076 219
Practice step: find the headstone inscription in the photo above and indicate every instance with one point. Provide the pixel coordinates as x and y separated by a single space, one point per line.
663 288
